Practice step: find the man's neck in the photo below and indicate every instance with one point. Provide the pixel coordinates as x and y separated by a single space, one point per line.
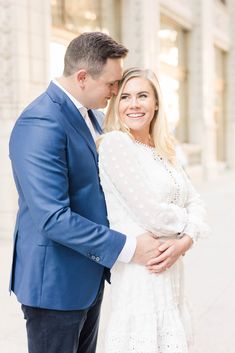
68 84
66 90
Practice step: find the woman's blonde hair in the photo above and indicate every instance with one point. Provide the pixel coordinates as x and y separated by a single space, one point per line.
159 131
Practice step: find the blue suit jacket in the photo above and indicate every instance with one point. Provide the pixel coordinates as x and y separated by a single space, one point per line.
62 239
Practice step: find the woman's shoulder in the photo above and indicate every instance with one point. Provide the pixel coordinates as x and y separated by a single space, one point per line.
115 138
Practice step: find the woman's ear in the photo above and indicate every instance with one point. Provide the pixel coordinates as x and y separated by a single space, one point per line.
81 77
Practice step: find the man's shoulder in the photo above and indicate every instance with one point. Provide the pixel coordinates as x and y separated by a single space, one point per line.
41 113
48 101
41 107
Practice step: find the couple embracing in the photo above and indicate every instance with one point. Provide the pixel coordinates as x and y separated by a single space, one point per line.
94 203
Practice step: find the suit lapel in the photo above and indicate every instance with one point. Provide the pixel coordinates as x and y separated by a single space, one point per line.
71 115
75 118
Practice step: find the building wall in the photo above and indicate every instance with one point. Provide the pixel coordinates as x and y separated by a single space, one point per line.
230 104
140 25
25 37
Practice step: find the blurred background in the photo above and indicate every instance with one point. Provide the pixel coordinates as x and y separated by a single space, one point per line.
190 44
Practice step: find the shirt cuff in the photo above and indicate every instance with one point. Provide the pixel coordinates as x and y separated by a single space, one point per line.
128 250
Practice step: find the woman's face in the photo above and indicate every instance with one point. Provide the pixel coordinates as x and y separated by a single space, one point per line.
137 105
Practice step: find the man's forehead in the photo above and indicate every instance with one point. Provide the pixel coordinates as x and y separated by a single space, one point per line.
114 68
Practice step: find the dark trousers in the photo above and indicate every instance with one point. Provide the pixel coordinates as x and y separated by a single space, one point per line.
55 331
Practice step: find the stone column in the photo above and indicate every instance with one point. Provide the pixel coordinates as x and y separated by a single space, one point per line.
231 90
140 25
111 18
24 37
201 84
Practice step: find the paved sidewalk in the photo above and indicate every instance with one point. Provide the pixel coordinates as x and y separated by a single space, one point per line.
211 271
12 331
209 275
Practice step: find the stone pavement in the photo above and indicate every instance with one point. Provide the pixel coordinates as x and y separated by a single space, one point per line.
211 271
210 268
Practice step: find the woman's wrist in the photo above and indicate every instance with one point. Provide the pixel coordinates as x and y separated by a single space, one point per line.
186 242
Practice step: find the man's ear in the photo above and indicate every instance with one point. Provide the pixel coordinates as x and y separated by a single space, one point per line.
81 77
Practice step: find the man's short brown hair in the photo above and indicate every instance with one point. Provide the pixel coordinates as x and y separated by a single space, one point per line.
90 51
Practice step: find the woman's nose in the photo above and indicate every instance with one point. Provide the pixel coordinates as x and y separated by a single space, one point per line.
134 102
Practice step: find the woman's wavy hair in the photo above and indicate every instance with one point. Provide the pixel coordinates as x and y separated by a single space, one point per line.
159 130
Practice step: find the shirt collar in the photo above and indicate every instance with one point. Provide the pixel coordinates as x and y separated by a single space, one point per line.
77 104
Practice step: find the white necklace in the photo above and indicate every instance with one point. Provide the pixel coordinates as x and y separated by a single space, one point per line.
143 144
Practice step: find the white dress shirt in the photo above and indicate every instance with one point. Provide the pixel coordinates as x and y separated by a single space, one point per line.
130 245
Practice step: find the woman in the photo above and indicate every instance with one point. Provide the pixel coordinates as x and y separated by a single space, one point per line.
146 189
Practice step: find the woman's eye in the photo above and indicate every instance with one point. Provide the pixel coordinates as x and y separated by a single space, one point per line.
143 96
124 97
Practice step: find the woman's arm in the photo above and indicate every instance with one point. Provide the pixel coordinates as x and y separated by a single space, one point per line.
119 166
196 228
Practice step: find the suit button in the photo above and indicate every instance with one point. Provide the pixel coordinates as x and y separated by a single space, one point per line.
97 258
93 257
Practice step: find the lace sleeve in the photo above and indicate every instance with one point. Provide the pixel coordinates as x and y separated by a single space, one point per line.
196 226
118 163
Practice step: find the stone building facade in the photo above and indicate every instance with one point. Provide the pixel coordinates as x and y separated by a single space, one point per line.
190 44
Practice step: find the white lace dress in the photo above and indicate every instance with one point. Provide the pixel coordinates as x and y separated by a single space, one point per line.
144 192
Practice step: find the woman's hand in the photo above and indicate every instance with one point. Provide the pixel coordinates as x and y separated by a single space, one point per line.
170 250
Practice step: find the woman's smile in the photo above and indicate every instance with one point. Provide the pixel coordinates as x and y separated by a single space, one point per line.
135 115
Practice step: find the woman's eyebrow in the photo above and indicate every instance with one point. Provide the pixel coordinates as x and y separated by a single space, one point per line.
137 92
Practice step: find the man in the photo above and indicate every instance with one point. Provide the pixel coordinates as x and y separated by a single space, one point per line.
63 246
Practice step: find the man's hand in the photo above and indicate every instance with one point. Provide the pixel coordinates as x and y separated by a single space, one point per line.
170 250
146 249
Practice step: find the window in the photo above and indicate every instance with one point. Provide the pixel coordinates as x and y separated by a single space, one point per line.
72 17
173 76
219 104
76 16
